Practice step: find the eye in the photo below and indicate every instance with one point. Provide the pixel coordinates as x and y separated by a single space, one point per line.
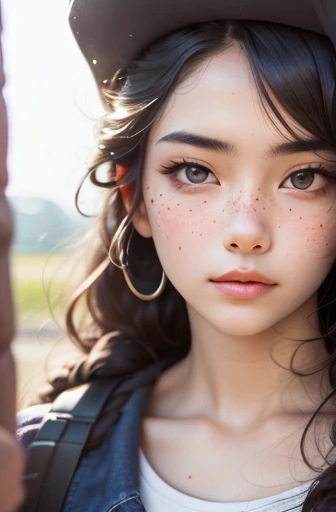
311 178
195 174
190 173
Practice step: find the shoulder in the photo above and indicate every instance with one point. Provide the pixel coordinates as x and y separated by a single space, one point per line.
28 422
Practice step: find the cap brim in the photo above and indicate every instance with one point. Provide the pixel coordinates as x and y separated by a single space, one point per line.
110 33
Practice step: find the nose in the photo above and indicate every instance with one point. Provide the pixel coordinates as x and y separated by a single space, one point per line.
247 233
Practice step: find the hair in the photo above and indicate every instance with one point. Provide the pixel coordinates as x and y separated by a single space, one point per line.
121 335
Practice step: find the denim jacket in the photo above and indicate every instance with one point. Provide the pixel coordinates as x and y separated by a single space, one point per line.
106 479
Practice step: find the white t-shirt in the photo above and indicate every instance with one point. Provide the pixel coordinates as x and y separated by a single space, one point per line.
158 496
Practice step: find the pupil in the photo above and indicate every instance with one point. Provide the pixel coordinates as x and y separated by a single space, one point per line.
195 174
302 180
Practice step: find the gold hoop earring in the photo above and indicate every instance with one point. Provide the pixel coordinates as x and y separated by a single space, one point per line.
123 259
118 241
142 296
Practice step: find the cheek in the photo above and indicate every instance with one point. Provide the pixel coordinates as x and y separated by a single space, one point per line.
168 215
313 232
175 223
180 225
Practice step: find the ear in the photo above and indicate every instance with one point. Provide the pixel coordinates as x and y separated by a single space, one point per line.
140 217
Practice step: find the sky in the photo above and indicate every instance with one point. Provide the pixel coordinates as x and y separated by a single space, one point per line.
53 106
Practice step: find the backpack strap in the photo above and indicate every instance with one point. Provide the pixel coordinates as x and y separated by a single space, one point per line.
54 454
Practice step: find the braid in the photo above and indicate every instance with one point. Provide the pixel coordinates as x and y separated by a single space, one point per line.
115 357
112 410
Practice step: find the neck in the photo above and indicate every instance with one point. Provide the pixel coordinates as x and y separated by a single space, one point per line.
247 378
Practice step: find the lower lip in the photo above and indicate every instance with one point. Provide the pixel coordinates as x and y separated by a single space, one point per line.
239 290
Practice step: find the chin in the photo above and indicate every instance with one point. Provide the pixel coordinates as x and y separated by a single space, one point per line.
244 331
244 325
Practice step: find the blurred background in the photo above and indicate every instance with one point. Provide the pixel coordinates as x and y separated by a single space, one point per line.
53 109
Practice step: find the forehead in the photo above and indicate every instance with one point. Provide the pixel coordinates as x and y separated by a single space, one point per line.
220 99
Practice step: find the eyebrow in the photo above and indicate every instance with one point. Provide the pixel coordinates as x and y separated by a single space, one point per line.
230 149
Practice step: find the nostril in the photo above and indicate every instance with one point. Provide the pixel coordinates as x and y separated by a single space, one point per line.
257 247
233 245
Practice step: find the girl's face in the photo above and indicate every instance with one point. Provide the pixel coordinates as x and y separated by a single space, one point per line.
224 191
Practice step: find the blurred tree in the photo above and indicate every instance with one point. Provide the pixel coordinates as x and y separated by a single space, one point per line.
40 225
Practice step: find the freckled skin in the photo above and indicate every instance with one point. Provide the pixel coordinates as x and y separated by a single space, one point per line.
249 217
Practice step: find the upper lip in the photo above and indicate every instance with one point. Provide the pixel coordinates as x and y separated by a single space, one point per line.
244 277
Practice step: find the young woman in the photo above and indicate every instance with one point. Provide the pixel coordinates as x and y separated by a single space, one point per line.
210 285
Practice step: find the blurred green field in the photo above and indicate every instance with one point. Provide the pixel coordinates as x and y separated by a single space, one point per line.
38 348
36 277
30 296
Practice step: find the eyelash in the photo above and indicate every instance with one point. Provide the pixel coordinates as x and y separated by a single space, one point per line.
174 167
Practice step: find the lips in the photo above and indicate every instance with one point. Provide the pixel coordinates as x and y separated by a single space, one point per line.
251 276
243 285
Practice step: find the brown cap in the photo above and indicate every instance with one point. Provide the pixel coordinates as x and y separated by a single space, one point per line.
110 33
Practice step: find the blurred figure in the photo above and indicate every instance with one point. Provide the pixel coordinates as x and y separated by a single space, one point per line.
11 460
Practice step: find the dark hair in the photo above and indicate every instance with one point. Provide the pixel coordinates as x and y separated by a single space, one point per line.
120 334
